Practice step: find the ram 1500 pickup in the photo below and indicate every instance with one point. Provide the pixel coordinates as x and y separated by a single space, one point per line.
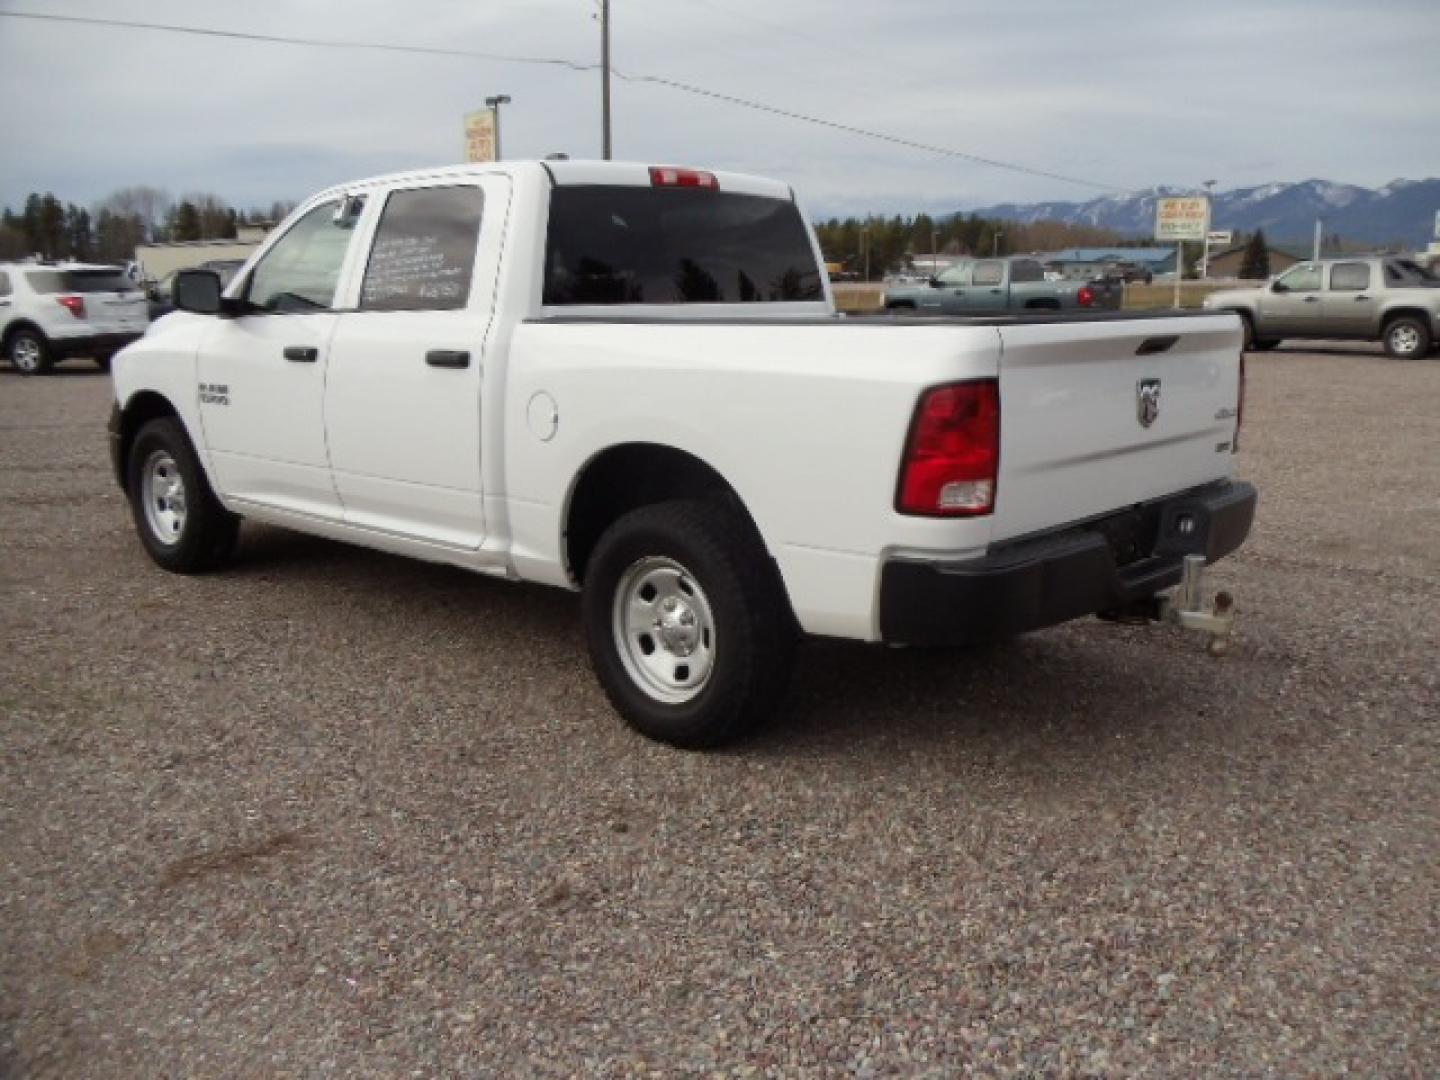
631 380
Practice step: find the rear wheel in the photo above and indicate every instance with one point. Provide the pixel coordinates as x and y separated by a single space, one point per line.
689 630
180 521
1407 338
29 352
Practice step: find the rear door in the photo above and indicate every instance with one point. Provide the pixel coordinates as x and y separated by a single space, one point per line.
402 405
1349 305
1097 416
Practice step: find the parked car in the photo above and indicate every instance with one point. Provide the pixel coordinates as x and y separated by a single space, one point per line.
632 381
991 286
159 298
49 311
1379 298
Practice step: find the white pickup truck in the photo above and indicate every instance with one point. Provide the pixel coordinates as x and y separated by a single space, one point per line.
631 380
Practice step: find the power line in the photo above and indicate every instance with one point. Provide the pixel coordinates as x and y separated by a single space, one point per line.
572 65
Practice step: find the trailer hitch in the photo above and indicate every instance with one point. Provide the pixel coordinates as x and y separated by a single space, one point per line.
1185 606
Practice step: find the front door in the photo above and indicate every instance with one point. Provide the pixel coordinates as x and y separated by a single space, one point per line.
402 404
262 373
1291 306
1350 307
987 288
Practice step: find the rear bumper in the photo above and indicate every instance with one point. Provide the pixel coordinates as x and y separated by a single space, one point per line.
1101 565
93 344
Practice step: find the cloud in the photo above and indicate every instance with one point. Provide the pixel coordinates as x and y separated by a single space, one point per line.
1230 90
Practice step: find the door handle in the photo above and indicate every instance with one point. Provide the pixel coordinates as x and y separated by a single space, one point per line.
1312 300
1362 298
302 354
452 358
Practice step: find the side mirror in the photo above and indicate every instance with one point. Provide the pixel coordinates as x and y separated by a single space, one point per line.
1279 287
934 281
197 291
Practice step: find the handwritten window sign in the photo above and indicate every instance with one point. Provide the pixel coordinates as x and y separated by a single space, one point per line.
424 250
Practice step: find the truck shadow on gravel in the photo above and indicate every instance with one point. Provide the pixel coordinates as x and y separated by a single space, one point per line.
1081 683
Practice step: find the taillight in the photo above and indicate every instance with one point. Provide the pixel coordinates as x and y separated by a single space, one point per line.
1239 407
1086 296
74 304
952 456
667 176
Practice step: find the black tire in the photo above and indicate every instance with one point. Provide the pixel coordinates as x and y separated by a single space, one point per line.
1407 338
29 353
1251 342
743 631
202 534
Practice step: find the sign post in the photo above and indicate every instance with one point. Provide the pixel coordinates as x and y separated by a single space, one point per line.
1178 220
480 142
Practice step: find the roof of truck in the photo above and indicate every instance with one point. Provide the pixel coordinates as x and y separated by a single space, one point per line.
567 172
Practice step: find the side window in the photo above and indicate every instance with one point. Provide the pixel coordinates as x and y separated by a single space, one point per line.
1302 278
989 273
302 271
1026 270
4 284
424 250
958 274
1350 277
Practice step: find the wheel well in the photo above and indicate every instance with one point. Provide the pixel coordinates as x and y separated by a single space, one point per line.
1402 313
139 411
18 325
625 478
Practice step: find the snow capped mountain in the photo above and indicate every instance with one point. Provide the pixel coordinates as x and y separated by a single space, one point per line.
1403 211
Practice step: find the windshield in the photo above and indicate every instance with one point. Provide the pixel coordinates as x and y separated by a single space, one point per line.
80 281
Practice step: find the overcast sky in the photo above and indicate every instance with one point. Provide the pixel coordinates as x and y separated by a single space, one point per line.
1120 93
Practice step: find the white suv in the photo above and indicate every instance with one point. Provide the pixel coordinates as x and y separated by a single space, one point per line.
49 311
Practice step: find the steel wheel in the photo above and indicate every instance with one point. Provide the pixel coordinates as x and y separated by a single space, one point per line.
162 493
27 354
664 630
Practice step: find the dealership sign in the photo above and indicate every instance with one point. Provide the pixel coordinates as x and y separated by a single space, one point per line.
1182 219
480 135
1220 238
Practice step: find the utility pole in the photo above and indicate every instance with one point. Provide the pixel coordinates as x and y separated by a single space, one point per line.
494 103
1205 252
1319 226
605 77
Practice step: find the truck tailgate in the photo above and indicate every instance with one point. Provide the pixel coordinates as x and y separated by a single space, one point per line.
1074 441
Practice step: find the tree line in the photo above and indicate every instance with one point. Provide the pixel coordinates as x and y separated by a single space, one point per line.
892 242
111 229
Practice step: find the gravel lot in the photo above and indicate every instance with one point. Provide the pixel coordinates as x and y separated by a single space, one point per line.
333 812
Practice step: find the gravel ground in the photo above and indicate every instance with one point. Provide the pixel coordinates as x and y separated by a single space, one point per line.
333 812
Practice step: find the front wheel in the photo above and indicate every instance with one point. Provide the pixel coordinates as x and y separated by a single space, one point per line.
180 521
689 630
1407 337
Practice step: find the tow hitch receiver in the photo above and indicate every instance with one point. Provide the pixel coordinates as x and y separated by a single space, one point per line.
1185 606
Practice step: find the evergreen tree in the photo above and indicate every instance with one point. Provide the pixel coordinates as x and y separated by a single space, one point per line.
1255 263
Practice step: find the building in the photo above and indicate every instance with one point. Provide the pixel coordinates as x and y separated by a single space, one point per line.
158 260
1093 262
1226 264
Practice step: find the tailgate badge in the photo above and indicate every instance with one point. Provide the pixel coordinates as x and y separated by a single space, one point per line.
1147 401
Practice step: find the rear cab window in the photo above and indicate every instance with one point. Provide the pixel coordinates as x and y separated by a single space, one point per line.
1403 273
623 244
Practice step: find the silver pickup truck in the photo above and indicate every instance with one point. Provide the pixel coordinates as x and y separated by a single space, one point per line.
1372 298
995 286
